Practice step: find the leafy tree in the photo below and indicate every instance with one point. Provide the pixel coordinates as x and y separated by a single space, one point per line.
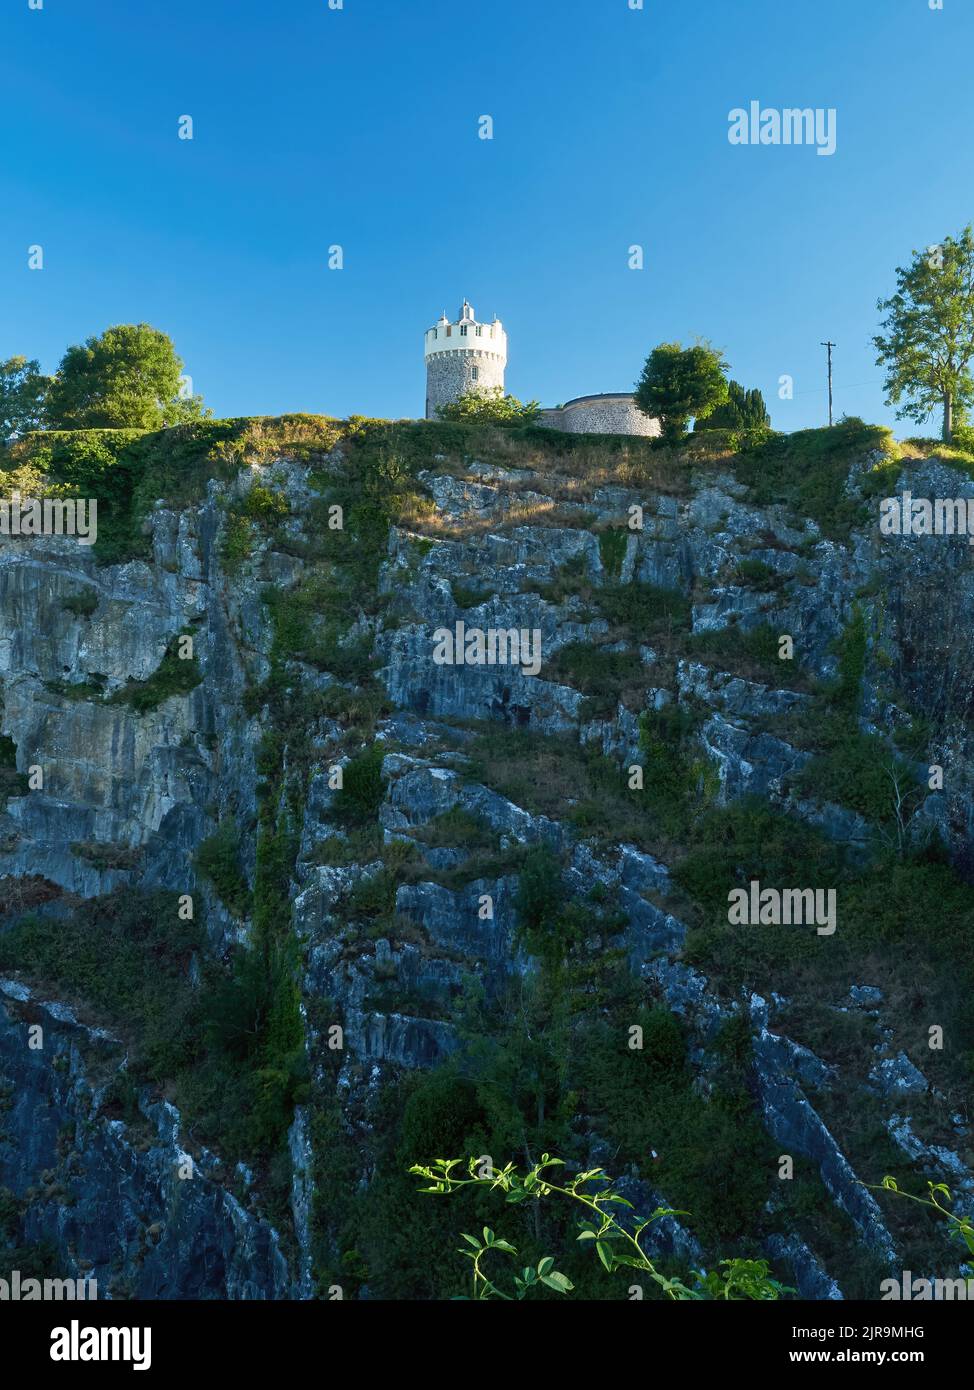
129 378
927 345
679 384
22 392
743 410
489 406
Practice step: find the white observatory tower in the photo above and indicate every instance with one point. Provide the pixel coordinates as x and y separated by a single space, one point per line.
463 356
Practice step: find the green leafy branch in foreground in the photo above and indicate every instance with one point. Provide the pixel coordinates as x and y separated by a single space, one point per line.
960 1226
616 1246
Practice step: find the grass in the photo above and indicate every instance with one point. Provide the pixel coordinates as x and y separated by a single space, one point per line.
606 676
809 469
749 652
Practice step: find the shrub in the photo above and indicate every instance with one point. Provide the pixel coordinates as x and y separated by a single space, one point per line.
175 675
218 858
362 789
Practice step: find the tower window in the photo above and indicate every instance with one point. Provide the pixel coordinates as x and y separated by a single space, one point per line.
463 331
475 373
448 332
479 331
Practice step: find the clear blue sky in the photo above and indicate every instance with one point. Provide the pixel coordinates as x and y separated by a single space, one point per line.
359 127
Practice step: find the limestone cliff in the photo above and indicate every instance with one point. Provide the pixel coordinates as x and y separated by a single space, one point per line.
262 987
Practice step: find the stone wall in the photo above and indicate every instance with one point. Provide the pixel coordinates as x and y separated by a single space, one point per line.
450 374
615 413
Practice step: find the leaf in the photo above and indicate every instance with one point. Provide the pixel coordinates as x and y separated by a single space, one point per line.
546 1265
605 1255
558 1282
503 1245
488 1236
472 1239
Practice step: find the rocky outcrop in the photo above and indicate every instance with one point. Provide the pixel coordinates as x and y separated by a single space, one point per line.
126 786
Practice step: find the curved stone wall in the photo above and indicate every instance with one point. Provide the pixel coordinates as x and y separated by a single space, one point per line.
613 413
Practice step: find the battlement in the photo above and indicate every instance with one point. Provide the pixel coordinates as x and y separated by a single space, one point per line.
466 334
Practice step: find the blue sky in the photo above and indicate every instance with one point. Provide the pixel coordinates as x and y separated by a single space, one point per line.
359 127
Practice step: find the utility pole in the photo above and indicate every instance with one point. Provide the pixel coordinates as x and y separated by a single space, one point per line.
830 346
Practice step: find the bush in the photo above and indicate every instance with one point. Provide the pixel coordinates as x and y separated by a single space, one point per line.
810 468
362 790
127 955
175 675
218 858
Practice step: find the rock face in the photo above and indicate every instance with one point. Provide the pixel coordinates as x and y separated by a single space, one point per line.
128 776
112 1197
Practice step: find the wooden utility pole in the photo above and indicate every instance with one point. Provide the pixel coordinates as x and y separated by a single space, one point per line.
830 346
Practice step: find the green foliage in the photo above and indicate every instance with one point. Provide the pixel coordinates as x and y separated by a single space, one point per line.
858 771
362 789
597 671
612 550
82 605
645 610
960 1225
743 410
678 780
747 651
218 858
749 840
678 384
175 675
12 782
238 542
265 504
927 343
809 471
128 956
23 390
127 470
755 574
466 596
851 650
540 905
128 378
489 405
606 1219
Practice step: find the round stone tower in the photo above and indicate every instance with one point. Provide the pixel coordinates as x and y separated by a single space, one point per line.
463 356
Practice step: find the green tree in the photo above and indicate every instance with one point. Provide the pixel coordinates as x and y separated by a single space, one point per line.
489 406
927 343
679 384
129 378
743 410
22 392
